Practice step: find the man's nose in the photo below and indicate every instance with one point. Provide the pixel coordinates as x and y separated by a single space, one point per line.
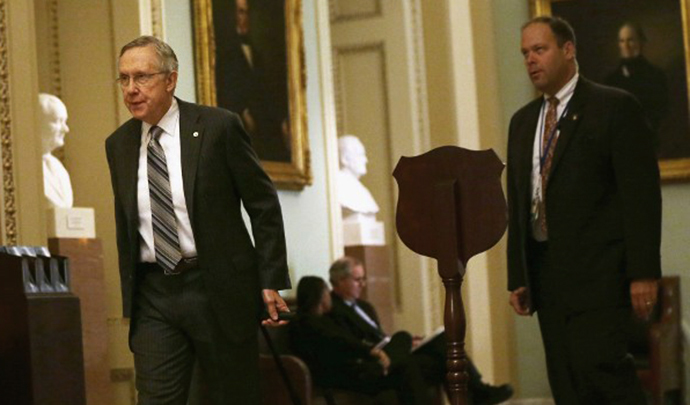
130 87
529 59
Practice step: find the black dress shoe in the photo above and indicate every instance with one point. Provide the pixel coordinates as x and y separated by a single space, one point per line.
491 395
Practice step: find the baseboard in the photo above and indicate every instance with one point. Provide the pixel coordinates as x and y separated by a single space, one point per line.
530 401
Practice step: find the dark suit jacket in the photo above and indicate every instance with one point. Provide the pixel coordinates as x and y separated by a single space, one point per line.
335 356
219 170
603 200
345 316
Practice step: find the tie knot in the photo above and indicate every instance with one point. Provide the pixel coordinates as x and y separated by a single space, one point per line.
156 132
553 102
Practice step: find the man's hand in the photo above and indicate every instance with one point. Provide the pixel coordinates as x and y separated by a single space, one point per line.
643 296
416 341
520 301
274 303
383 359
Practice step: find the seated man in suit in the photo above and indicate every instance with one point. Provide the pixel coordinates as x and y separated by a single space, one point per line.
347 276
339 359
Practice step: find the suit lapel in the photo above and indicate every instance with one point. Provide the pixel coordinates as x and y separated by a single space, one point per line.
191 136
363 324
570 122
348 311
129 168
528 133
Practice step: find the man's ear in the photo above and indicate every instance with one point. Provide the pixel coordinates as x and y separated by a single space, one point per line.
570 50
171 81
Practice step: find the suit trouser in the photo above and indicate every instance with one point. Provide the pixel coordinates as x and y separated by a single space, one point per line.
431 360
173 326
587 355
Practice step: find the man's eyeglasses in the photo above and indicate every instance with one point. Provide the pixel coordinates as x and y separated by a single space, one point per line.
140 79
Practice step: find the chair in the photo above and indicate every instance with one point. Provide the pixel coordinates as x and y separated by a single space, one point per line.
657 346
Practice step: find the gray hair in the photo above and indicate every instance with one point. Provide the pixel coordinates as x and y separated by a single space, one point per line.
342 268
166 55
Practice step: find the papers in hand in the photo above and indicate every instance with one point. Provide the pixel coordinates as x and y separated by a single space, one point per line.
380 345
429 338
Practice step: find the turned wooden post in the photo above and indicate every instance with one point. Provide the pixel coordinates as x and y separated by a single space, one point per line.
451 207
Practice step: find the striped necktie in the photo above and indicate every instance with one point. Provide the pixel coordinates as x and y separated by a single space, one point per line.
165 239
548 147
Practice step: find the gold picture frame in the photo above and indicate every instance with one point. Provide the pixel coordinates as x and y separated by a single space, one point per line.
287 138
673 169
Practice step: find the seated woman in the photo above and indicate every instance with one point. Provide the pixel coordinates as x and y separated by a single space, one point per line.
337 359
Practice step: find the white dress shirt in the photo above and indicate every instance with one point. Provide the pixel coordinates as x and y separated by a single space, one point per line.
170 141
564 95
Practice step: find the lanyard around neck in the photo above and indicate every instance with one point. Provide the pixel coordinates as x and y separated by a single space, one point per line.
552 134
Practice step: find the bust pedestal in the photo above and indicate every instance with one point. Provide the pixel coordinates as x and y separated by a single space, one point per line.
71 223
362 229
88 283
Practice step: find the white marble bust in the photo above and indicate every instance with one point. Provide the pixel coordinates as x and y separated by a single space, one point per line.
355 199
52 126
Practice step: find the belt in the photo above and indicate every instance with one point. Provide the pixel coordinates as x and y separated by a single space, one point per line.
184 265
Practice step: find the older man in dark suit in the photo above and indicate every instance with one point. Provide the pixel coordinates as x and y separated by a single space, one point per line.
192 281
585 220
359 318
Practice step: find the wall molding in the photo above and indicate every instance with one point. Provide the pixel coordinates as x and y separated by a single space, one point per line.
342 51
379 48
54 56
125 375
338 17
330 130
157 18
9 231
422 133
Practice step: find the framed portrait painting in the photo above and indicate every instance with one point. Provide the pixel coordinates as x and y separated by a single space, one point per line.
250 60
640 46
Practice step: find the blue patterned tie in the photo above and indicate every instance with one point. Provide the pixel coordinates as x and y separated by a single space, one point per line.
165 239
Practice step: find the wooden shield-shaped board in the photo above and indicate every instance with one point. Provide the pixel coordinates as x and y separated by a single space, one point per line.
480 207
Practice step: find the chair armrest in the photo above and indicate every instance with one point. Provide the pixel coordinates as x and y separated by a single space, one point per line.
276 391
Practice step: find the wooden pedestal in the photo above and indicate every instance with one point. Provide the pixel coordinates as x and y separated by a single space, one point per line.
379 288
87 283
41 360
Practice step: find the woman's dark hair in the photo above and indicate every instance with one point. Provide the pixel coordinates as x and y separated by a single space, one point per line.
309 292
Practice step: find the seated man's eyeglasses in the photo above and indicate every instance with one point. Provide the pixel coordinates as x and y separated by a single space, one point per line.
140 79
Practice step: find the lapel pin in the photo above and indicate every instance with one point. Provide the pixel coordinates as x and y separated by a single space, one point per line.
575 117
195 134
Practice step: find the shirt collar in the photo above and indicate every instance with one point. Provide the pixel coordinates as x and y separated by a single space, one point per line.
566 91
168 122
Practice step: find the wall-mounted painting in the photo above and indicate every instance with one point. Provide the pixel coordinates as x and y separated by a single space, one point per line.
640 46
250 60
